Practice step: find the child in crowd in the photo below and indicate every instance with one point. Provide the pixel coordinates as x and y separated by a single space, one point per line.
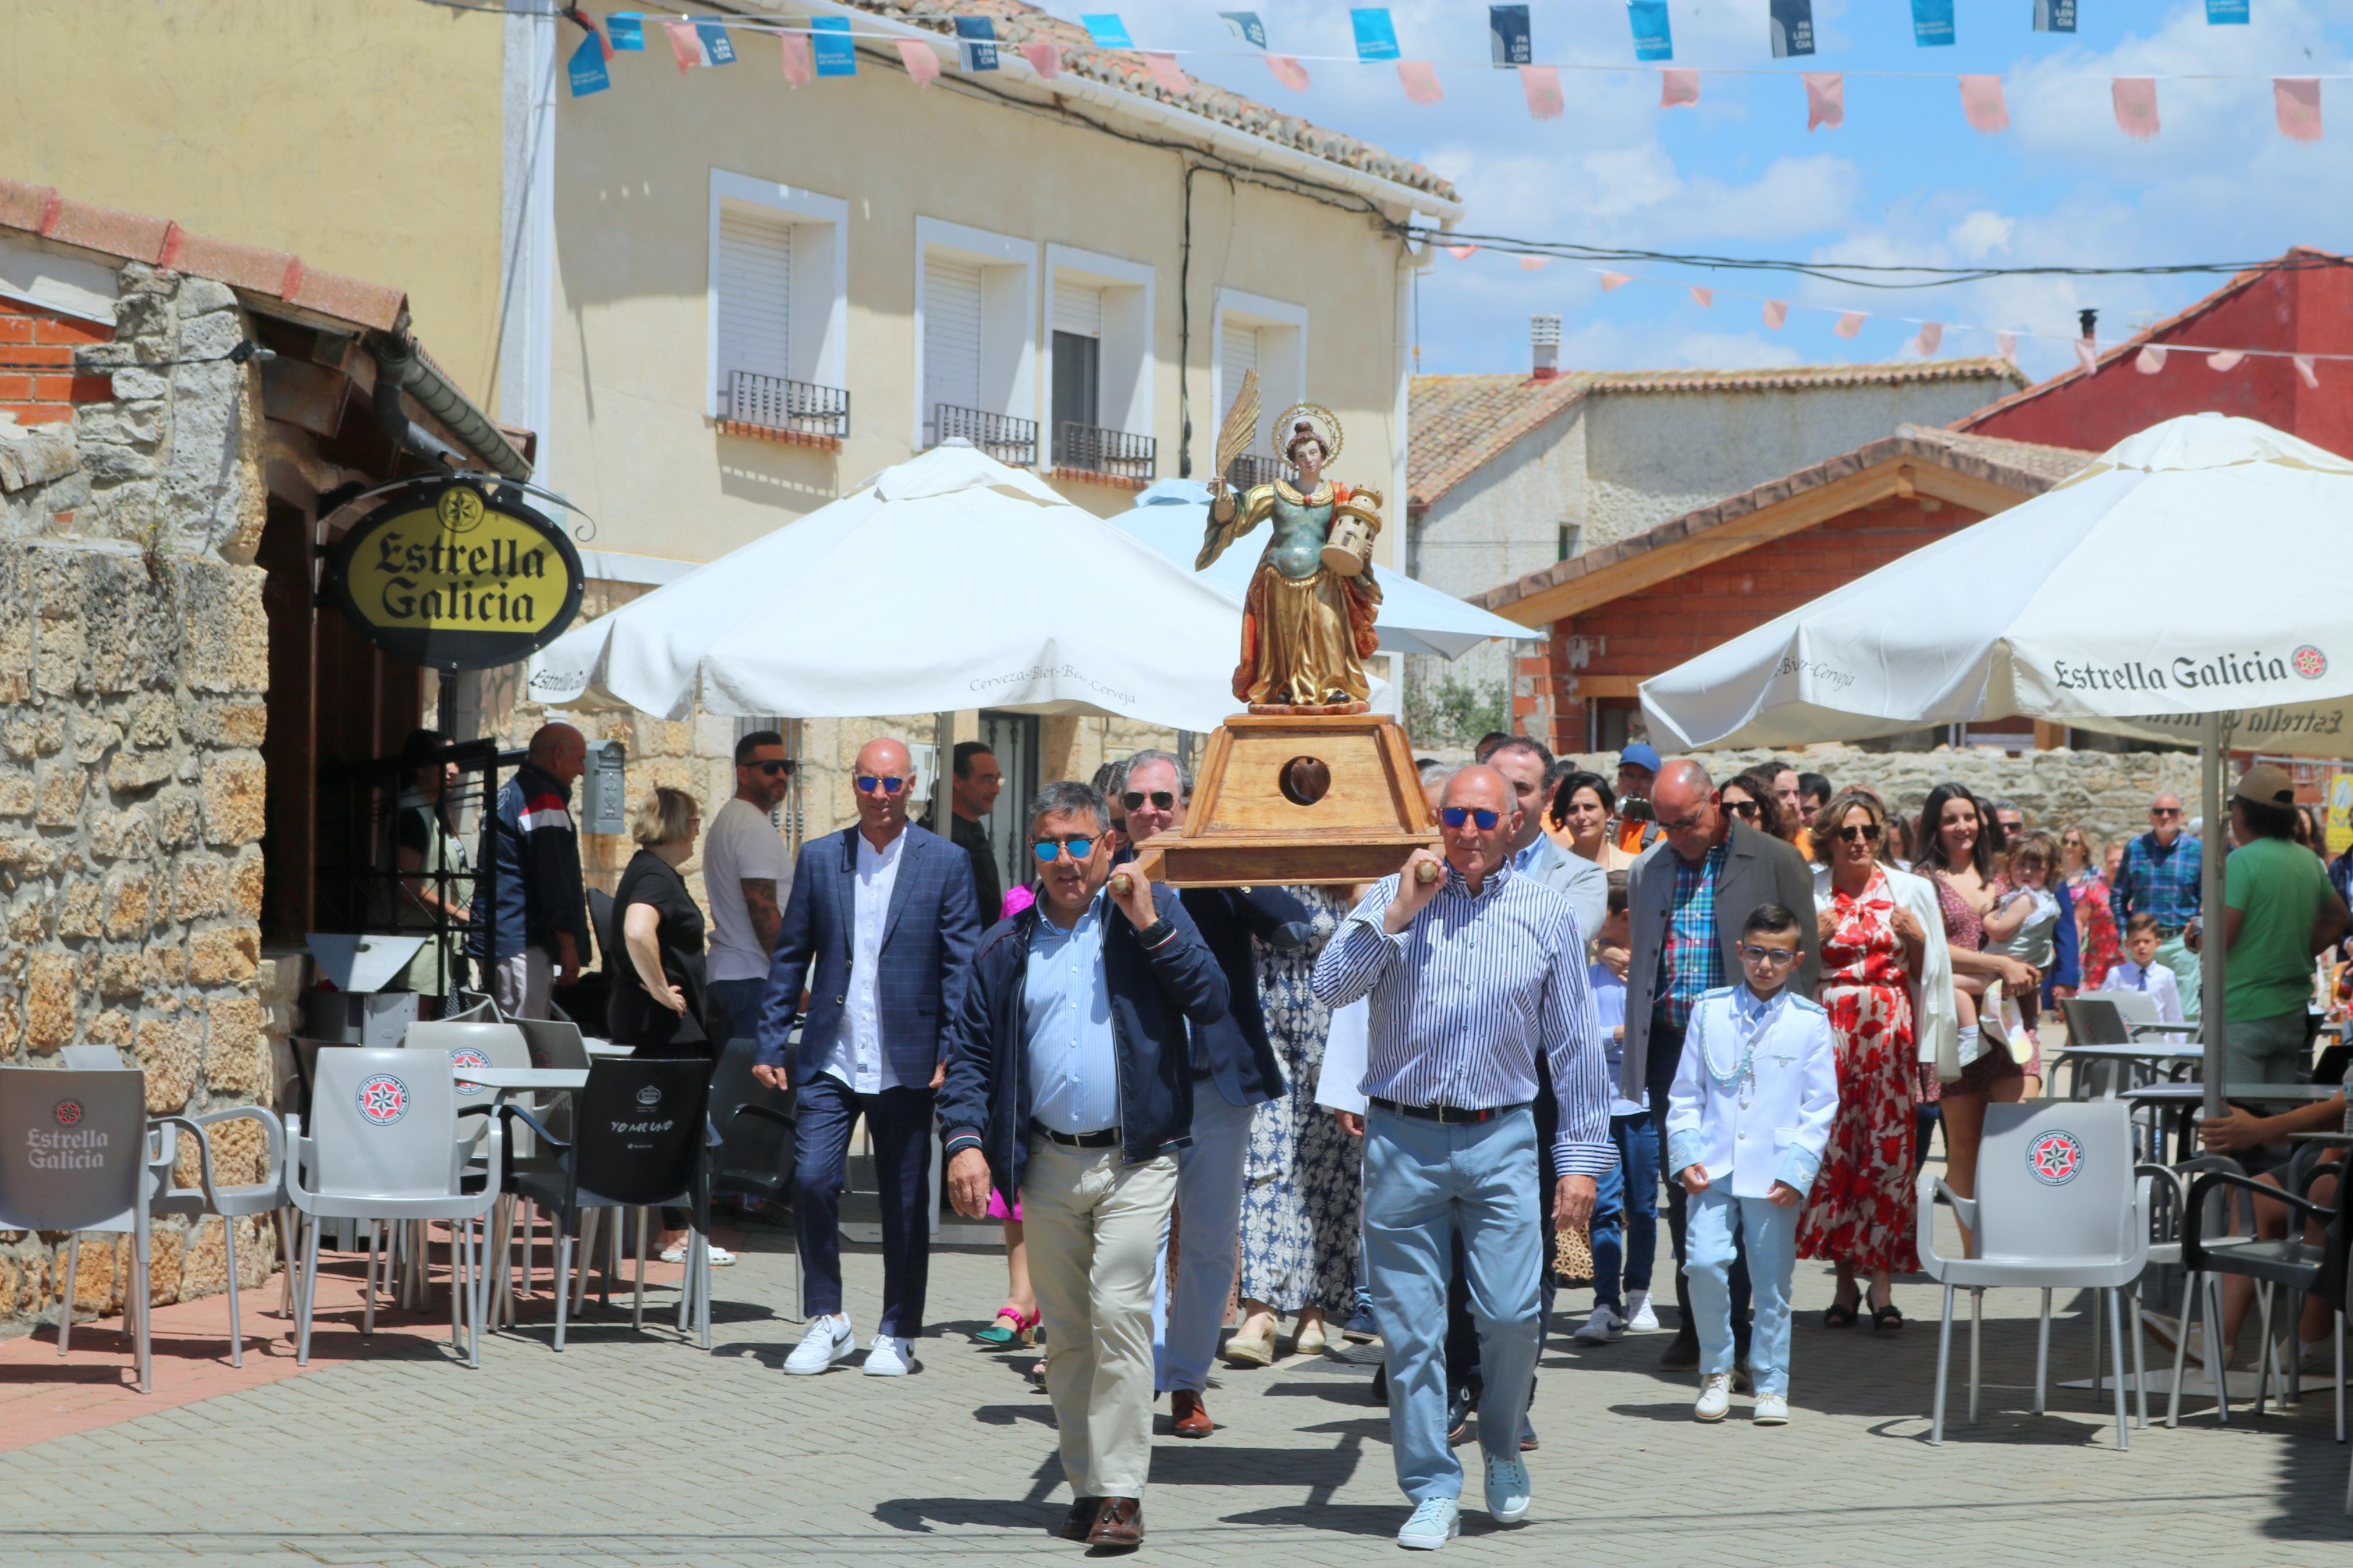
1626 1207
1747 1118
2024 922
2141 972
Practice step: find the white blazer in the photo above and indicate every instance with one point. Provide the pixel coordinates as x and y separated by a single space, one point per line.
1936 1022
1780 1135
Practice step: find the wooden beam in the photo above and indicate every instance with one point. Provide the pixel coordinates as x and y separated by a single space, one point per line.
1606 685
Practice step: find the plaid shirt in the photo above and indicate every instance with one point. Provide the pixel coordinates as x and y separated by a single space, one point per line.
1691 961
2159 880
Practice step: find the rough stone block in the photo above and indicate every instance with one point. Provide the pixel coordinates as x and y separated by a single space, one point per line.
170 1051
50 995
234 786
15 796
27 734
57 790
57 653
223 955
112 1027
244 884
78 913
176 817
199 887
225 632
122 836
237 1053
122 973
163 966
199 297
130 771
153 721
129 903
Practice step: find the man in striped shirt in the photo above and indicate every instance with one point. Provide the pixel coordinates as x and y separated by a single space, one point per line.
1471 975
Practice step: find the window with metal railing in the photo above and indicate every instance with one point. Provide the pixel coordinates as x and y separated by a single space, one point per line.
1002 436
798 407
1090 448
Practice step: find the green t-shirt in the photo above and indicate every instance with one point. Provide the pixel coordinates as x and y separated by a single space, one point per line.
2278 888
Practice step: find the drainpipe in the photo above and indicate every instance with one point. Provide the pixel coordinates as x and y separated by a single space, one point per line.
400 368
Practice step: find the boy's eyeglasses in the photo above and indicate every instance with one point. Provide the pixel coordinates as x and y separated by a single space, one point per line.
1161 799
1453 817
1857 833
1778 957
888 783
1048 849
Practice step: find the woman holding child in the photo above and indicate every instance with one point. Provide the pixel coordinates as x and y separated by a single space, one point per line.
1886 983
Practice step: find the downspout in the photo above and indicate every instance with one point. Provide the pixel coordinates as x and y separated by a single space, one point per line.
400 368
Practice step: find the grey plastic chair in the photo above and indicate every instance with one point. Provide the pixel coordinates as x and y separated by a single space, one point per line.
384 1144
2057 1206
231 1203
79 1156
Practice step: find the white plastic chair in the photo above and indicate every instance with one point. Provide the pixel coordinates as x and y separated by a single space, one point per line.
2057 1206
231 1203
384 1144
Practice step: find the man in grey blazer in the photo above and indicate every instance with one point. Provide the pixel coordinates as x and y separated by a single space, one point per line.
1527 764
1688 896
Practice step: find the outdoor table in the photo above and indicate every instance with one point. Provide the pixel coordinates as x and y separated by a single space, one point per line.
2184 1101
511 1080
602 1048
2326 1140
2137 1055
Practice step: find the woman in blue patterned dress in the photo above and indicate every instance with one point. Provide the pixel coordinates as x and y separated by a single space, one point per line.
1301 1186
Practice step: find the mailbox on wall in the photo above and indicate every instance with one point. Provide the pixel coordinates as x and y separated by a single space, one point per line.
603 789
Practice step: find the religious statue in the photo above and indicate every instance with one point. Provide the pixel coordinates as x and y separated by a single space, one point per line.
1307 622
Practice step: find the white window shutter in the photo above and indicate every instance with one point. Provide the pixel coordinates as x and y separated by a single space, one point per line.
755 289
1077 310
951 333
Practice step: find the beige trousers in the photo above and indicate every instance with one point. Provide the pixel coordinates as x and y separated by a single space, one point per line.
1092 1223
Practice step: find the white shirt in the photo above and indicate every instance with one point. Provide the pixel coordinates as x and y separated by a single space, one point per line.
1340 1084
740 845
2156 980
1769 1123
857 1050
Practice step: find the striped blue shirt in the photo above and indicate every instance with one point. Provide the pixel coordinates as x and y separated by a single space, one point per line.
1464 997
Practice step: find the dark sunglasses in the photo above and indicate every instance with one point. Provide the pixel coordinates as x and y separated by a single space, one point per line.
1048 849
1747 808
1856 832
1453 817
888 783
1161 799
2165 811
771 769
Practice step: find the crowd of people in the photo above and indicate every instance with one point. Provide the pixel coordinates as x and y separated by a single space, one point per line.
1760 997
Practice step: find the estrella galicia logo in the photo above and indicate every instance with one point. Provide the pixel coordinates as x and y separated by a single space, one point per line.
383 1100
2309 662
468 1057
649 1097
68 1112
2056 1158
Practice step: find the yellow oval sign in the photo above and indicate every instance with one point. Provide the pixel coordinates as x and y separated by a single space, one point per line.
454 578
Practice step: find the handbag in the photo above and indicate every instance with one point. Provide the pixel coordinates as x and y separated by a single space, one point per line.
1573 1256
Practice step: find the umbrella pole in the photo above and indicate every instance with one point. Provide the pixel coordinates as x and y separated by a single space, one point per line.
2209 906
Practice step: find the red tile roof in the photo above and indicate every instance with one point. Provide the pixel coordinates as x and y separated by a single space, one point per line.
1457 423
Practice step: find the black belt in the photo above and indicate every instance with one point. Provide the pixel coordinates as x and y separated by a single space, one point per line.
1203 1074
1103 1140
1450 1115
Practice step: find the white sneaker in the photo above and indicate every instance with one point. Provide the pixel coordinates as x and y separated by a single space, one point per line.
679 1251
1508 1492
827 1343
1772 1410
1602 1327
889 1356
1435 1521
1639 1319
1714 1398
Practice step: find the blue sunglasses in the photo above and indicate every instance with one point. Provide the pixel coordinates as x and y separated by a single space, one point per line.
888 783
1452 817
1048 849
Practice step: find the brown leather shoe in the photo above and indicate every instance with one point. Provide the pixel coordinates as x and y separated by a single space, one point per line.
1192 1416
1121 1523
1082 1518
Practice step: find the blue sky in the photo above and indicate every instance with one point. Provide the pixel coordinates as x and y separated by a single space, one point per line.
1904 180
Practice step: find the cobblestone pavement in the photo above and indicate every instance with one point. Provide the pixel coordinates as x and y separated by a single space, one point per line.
645 1451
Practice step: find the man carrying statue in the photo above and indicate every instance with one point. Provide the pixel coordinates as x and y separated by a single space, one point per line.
1307 624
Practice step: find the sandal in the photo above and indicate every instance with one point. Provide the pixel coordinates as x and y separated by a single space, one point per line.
1886 1318
1838 1315
997 1336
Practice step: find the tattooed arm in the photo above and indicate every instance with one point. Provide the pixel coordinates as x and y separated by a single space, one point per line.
760 903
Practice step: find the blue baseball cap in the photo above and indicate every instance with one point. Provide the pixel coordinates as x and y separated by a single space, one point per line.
1638 755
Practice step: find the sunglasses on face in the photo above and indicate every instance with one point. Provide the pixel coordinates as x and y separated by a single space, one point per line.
771 769
888 783
1455 815
2165 811
1161 799
1779 957
1859 832
1047 850
1742 809
1684 824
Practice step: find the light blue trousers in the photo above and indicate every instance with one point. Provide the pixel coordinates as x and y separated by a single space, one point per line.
1423 1183
1772 1232
1186 1321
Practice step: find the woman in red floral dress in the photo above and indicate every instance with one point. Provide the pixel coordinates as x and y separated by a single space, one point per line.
1860 1213
2095 926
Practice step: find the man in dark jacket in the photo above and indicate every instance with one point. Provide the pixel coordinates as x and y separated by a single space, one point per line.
538 930
1070 1082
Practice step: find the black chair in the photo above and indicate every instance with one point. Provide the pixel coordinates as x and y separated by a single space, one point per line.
757 1137
2289 1263
642 1137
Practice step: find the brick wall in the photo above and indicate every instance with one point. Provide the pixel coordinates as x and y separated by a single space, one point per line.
1658 627
39 381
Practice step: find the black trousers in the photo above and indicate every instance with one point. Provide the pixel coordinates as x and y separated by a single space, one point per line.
1666 1056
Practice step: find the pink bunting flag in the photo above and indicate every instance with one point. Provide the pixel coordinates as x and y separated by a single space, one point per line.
800 69
1461 252
2006 346
1678 86
1420 79
1615 280
2087 354
2149 361
1849 323
1530 263
921 63
1983 105
2297 100
2228 359
1704 298
2136 101
1825 98
1044 58
1541 84
684 44
1288 71
2306 368
1162 65
1932 333
1776 312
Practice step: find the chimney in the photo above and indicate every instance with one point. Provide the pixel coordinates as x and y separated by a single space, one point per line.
2089 319
1544 333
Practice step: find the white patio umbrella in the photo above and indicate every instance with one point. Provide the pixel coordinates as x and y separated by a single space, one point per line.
948 582
2193 584
1414 617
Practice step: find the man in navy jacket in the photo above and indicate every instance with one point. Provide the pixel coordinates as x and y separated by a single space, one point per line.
880 927
1070 1082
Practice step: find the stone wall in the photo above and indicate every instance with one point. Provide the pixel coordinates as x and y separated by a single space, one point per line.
133 659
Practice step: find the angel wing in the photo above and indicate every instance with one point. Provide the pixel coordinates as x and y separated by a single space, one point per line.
1234 438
